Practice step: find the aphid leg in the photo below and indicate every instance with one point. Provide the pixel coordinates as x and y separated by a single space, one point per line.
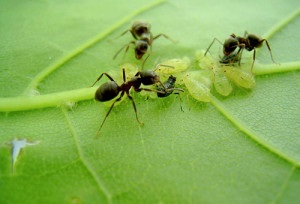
163 65
164 35
108 112
127 47
245 34
104 73
134 107
215 39
180 101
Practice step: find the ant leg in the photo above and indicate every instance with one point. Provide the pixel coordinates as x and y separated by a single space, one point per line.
169 90
127 47
270 50
124 76
164 35
128 30
254 54
111 107
149 90
215 39
134 107
145 60
104 73
240 52
175 89
240 56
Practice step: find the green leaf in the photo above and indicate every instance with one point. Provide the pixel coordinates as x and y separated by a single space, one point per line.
244 148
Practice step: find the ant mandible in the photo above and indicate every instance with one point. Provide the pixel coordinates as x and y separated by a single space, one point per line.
230 59
249 42
143 40
111 89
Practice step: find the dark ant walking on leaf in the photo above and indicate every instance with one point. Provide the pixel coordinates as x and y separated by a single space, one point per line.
143 40
109 90
249 42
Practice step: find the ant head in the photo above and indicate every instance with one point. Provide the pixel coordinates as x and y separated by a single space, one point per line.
255 40
230 45
107 91
141 48
139 28
149 77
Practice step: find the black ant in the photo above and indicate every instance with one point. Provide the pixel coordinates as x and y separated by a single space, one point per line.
249 42
111 89
143 39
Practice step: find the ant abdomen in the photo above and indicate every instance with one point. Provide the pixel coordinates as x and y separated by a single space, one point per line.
107 91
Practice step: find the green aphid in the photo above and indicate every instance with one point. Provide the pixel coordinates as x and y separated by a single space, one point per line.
198 84
239 76
220 80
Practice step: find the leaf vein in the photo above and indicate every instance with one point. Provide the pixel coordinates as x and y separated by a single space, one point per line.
252 134
284 186
51 68
87 165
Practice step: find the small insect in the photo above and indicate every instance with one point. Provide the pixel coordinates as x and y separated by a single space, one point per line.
220 81
240 77
143 40
109 90
169 84
249 42
198 84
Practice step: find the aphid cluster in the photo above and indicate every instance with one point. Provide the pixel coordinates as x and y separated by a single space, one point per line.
217 73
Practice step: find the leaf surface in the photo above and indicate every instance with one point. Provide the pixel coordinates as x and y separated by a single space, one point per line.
243 148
